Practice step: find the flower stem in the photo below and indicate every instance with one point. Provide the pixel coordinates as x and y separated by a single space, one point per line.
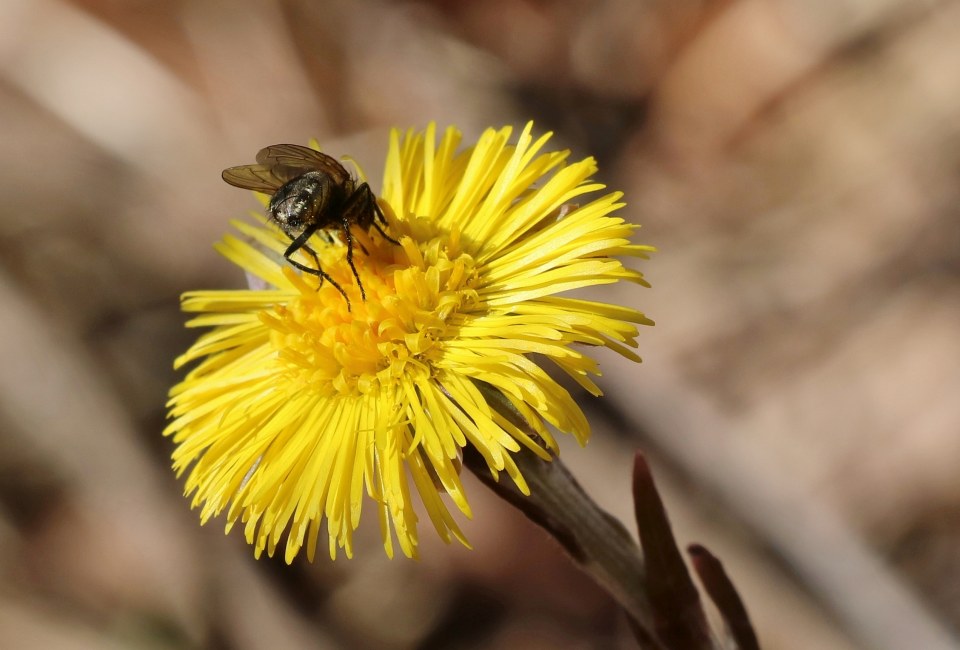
594 539
650 581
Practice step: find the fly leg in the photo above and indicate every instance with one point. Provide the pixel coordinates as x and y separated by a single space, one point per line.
345 223
300 242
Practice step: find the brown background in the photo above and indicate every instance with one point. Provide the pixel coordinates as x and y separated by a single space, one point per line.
797 164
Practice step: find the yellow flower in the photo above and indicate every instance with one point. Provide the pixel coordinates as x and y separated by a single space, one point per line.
299 405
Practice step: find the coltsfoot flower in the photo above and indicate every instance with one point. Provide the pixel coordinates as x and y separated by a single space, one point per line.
298 406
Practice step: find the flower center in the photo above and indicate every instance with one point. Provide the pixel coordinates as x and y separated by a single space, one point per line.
414 292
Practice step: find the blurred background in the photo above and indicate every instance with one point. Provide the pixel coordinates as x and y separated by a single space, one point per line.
796 163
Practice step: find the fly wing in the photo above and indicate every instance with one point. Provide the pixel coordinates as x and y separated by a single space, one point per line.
259 178
287 161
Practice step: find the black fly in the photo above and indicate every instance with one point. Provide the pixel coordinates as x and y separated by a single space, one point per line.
311 192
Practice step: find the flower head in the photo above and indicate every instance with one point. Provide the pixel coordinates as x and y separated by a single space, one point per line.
300 405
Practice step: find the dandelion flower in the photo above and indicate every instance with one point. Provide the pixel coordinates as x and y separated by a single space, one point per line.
301 408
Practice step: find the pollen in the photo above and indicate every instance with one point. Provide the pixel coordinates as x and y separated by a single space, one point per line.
413 299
